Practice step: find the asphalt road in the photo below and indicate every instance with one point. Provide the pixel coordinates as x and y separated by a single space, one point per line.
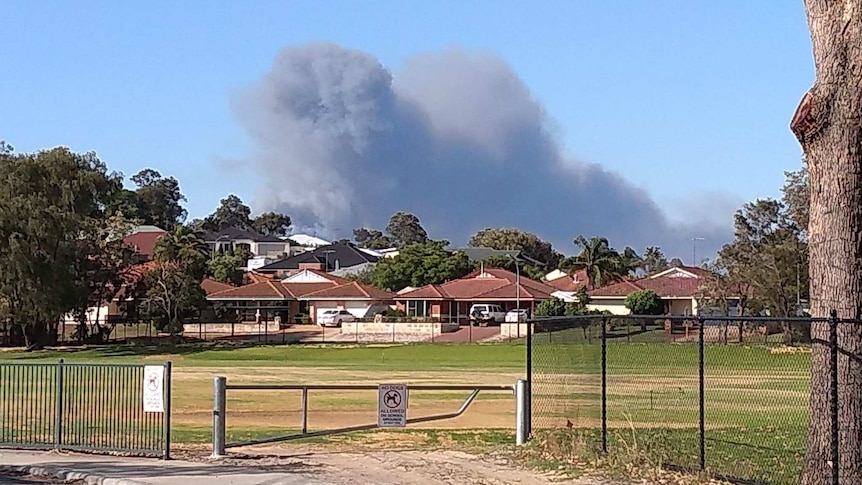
26 480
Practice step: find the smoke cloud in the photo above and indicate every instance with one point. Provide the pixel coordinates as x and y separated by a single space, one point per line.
454 137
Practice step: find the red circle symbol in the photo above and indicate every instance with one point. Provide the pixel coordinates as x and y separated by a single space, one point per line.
392 399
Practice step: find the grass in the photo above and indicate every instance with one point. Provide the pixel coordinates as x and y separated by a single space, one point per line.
756 396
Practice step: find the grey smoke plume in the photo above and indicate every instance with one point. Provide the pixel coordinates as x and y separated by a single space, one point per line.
454 137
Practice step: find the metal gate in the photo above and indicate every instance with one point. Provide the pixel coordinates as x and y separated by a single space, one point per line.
87 407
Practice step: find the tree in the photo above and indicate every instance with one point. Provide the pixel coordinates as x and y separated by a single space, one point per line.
515 239
231 212
173 285
227 268
420 264
5 148
654 260
404 228
51 206
828 127
371 239
601 262
510 264
271 224
158 199
676 263
644 302
552 307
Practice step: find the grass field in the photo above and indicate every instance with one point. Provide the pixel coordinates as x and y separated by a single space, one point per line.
756 396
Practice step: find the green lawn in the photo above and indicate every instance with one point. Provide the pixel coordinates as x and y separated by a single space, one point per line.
756 396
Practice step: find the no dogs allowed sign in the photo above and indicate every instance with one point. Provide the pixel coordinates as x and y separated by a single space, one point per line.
392 405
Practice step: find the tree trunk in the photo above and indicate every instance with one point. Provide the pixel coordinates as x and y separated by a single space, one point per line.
828 124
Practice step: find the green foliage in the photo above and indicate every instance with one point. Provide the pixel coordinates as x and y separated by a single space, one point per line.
511 238
157 200
552 307
404 228
52 214
371 239
603 264
654 260
226 268
645 302
420 264
231 212
271 224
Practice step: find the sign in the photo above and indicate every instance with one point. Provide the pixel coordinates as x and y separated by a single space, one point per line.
392 405
154 389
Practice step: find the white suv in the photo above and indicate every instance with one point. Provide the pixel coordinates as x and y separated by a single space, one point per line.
484 313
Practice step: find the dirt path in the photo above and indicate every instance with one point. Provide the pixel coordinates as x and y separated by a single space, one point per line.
410 467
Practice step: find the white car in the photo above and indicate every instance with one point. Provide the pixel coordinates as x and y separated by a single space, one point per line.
513 316
334 318
484 313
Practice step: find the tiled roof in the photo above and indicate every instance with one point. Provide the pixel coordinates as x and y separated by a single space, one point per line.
352 290
211 286
568 283
232 234
490 283
144 242
668 284
346 255
265 290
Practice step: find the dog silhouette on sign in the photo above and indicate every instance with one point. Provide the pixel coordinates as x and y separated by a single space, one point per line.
391 399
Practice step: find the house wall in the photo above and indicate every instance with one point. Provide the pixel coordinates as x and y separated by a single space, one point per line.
617 306
683 307
270 249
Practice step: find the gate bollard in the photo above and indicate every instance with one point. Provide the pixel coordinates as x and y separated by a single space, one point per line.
521 397
219 395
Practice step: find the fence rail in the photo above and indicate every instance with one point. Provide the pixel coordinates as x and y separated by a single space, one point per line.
728 395
87 407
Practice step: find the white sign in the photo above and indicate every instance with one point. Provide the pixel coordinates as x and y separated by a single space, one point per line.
154 389
392 405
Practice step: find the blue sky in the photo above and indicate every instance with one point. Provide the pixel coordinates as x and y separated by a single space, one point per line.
688 100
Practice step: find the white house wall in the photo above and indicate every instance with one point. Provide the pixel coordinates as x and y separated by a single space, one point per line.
616 306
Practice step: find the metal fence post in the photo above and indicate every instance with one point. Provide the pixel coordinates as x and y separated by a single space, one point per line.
167 384
521 412
219 391
833 391
58 407
702 395
604 385
304 410
529 378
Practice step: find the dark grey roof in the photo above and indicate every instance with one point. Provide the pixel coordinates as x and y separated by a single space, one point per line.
481 254
344 255
233 234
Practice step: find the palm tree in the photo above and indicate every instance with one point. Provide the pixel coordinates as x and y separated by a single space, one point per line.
602 263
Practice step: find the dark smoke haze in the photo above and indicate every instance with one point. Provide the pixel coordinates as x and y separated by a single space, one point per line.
454 137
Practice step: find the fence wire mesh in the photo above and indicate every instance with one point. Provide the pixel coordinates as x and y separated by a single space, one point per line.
728 395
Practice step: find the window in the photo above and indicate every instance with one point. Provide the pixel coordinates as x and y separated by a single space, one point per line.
417 308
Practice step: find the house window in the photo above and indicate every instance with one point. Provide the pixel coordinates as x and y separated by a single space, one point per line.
418 308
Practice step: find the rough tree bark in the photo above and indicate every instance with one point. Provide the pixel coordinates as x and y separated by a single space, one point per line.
828 125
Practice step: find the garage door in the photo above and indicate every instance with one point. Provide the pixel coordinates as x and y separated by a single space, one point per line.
357 309
321 307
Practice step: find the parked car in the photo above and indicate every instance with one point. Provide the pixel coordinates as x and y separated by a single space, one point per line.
513 316
484 313
334 318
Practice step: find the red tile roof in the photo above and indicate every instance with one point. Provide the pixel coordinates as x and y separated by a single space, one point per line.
568 282
337 288
668 284
211 286
144 242
490 284
352 290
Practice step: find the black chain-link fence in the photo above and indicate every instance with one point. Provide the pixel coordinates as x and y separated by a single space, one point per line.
730 396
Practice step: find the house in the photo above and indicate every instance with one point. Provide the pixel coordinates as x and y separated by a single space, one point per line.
300 243
143 240
307 291
231 239
678 287
324 258
452 301
481 254
567 285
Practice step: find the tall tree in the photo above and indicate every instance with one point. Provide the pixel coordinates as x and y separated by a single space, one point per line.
601 262
231 212
371 238
159 200
511 238
272 224
420 264
51 205
828 126
227 268
510 264
655 260
404 228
